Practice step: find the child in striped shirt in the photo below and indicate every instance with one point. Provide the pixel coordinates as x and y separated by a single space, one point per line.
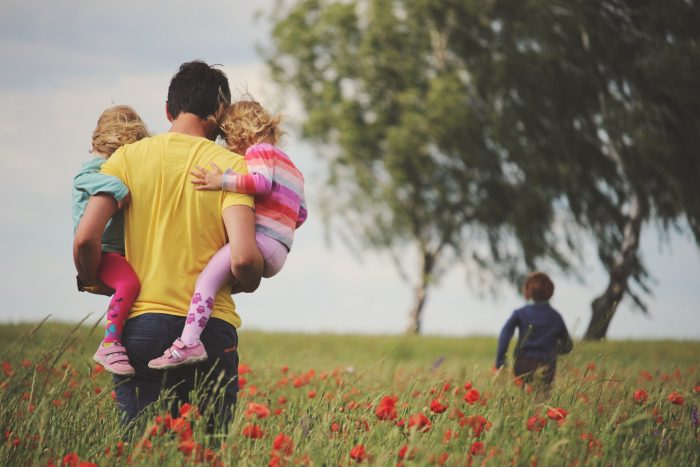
280 209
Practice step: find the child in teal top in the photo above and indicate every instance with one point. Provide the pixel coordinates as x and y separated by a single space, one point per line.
116 127
89 182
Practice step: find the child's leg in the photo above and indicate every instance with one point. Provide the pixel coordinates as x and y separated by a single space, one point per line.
214 275
117 273
274 254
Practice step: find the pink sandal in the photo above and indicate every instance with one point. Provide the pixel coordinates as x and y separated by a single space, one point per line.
179 354
114 360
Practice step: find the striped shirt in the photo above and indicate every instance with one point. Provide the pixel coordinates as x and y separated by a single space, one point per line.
278 187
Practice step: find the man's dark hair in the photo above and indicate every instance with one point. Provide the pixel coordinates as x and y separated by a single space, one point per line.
199 89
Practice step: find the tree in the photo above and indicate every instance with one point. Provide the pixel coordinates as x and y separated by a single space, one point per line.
458 121
407 138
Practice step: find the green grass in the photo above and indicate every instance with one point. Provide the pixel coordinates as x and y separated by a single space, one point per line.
55 404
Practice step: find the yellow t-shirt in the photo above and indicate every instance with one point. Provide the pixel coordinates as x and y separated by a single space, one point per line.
172 230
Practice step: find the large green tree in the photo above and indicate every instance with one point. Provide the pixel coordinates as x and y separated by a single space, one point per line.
491 131
597 106
413 169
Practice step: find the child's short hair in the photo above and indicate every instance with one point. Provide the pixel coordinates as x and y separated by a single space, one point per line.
246 122
117 126
538 287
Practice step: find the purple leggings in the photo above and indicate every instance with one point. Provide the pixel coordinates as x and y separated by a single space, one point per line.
216 274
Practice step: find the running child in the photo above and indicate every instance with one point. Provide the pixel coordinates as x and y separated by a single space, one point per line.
116 127
542 334
280 208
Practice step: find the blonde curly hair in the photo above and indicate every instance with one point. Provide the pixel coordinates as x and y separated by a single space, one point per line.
246 122
117 126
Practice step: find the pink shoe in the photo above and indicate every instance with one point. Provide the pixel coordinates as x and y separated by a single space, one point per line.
114 360
179 354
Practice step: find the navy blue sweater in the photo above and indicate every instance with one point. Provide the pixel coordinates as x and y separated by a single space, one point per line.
541 334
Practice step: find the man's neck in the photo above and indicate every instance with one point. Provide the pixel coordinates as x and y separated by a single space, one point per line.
189 124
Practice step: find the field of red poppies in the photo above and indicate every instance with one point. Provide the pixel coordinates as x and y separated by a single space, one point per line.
342 400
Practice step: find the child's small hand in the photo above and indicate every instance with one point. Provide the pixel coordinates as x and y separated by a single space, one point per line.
207 180
124 201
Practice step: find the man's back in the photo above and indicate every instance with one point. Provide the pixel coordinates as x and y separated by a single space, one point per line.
172 230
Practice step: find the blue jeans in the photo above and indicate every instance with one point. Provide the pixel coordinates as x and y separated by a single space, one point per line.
147 336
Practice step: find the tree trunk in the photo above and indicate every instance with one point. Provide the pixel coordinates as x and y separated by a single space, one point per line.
604 306
420 294
416 315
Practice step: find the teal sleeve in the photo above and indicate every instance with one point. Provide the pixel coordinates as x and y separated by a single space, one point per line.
93 183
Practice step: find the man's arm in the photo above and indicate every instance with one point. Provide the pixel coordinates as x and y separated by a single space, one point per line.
246 260
87 244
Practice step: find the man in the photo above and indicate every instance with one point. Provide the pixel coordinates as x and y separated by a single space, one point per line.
171 232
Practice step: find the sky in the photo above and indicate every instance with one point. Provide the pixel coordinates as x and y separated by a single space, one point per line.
64 62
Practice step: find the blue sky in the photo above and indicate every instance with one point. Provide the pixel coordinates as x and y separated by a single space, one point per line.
65 63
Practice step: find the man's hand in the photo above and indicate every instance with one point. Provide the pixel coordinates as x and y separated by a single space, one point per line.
124 201
97 289
207 180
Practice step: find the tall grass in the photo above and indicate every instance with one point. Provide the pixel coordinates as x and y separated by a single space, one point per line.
323 391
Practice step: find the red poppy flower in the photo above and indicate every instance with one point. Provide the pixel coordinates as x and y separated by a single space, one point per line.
358 453
257 410
406 453
186 447
640 396
477 448
283 444
275 460
536 423
186 409
71 459
420 422
179 425
557 414
252 431
386 410
477 423
676 398
472 396
437 407
362 424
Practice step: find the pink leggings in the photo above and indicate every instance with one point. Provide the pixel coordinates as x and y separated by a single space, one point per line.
117 273
217 273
